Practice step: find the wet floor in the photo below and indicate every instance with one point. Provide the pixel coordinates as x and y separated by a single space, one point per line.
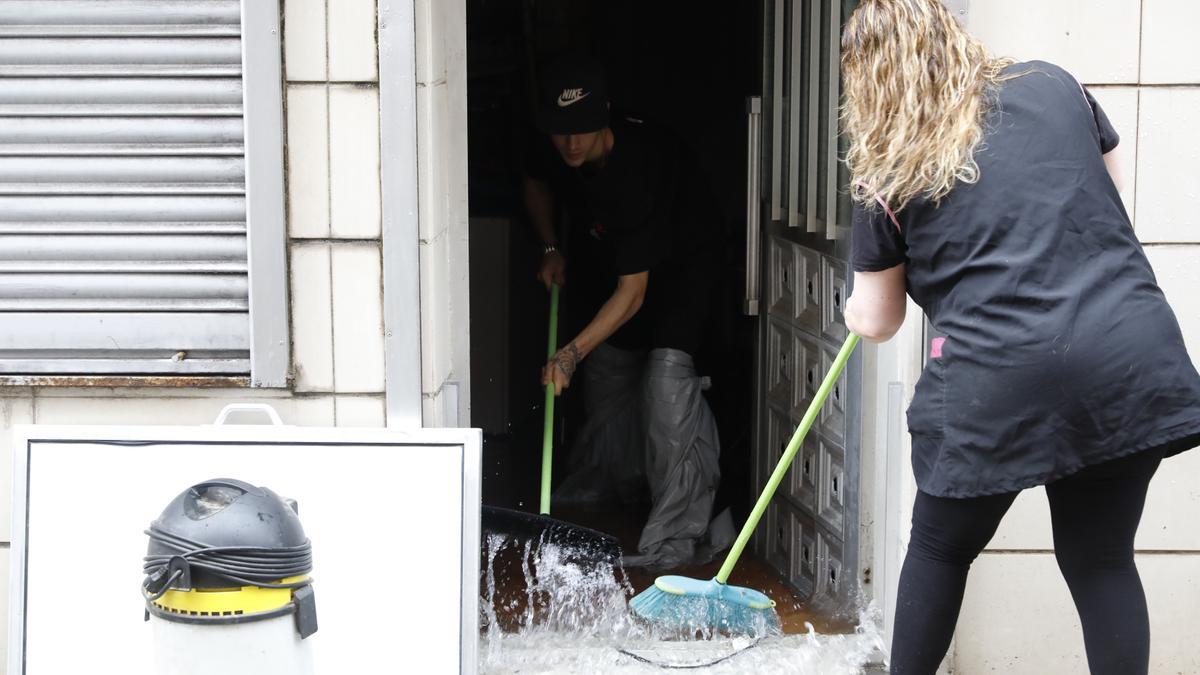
750 572
544 612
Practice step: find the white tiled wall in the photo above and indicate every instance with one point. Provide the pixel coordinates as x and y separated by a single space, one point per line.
1179 277
354 201
312 316
1168 524
330 40
1170 50
352 41
310 411
1018 616
334 195
359 411
304 40
1026 526
1096 40
357 318
308 161
1168 206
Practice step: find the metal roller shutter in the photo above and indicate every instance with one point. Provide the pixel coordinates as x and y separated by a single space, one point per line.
123 188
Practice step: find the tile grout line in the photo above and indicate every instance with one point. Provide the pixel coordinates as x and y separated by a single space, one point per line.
329 248
328 133
362 241
373 84
332 332
1143 85
1137 144
288 213
1141 37
1137 140
1137 155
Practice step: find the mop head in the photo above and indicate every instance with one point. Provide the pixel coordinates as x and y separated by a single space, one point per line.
691 606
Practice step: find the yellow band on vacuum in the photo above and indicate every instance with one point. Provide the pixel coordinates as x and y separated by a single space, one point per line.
227 601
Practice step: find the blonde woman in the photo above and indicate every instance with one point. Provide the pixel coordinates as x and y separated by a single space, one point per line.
984 189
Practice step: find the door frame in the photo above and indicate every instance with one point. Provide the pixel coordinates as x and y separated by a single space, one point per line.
882 378
398 182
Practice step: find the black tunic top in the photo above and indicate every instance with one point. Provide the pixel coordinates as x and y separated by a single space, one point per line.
1061 351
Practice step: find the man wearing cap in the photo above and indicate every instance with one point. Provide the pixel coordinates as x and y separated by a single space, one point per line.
650 210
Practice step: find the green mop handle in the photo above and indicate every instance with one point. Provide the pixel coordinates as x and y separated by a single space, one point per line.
789 454
548 424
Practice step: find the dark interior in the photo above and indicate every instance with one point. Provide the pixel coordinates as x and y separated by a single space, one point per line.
685 66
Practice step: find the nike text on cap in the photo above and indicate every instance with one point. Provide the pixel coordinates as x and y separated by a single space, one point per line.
572 98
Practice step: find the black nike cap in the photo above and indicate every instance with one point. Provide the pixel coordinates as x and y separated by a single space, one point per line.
572 98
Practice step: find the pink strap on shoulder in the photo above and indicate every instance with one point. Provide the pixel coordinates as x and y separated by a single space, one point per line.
886 209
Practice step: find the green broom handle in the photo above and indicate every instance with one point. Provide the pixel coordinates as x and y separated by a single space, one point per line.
548 424
789 454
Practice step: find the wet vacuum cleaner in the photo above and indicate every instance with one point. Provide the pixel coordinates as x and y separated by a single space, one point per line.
579 543
692 606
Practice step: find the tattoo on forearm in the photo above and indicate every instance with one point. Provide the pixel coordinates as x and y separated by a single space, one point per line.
567 359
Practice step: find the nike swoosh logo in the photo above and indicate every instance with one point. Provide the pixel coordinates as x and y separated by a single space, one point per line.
564 102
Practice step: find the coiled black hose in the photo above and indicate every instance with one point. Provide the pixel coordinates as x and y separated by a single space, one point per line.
241 565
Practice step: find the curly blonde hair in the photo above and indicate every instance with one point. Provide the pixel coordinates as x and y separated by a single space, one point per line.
916 87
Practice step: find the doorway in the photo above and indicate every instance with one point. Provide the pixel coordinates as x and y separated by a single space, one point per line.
691 70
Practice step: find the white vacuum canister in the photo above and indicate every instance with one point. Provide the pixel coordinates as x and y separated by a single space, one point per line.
267 647
227 585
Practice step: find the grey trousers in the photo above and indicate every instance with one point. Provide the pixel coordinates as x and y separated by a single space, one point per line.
649 429
606 464
682 470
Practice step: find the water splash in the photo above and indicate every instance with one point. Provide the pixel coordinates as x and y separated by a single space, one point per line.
487 606
576 619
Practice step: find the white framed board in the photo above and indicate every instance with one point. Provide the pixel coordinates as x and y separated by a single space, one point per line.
393 517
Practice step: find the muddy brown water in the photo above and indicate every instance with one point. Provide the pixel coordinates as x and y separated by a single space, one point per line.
544 613
512 568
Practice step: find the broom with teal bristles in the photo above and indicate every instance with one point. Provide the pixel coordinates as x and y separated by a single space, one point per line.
690 605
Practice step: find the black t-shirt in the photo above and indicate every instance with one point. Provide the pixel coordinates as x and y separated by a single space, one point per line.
646 208
879 245
1061 350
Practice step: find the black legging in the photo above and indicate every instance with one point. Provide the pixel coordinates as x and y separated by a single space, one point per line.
1095 515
